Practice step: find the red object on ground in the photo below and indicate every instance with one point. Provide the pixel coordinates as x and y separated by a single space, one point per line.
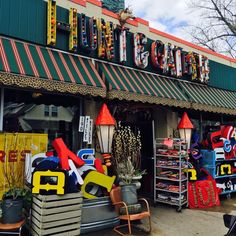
64 153
185 122
105 117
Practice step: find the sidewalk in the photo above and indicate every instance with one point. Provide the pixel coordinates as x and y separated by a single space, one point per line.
167 222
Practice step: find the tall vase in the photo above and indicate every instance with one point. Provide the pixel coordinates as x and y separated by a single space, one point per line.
129 194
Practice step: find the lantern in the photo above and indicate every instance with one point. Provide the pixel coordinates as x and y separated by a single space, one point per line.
105 125
185 127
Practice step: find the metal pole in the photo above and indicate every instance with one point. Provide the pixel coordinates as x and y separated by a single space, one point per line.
1 109
200 126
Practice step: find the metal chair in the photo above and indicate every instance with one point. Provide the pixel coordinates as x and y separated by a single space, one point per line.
115 196
12 229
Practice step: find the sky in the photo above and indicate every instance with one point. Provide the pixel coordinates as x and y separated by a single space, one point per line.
169 16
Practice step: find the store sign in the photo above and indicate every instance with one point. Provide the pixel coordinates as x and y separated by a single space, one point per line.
96 34
13 149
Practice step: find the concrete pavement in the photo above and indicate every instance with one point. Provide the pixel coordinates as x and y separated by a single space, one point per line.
190 222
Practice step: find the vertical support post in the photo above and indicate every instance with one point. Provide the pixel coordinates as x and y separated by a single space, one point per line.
1 109
200 126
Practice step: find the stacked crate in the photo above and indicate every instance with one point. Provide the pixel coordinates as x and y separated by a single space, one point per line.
57 215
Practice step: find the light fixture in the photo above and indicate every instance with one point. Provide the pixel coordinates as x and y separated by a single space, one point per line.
185 127
105 125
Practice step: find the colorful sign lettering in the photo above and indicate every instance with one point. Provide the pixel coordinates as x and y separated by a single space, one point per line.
98 35
73 39
122 46
105 39
87 33
157 54
140 55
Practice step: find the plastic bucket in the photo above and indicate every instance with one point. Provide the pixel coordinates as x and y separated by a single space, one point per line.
12 211
129 194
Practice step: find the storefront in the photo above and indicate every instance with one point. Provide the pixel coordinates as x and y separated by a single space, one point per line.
61 60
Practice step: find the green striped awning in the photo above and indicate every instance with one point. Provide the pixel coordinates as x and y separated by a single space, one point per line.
206 98
129 84
31 66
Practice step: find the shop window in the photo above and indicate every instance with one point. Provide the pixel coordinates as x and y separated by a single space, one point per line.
46 110
54 111
48 114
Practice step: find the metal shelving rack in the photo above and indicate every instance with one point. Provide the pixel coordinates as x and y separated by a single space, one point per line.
175 164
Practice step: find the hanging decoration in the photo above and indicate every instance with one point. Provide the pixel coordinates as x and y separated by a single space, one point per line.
157 54
140 56
105 39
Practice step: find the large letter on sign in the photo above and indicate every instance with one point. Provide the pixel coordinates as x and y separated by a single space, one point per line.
37 181
63 153
98 179
140 56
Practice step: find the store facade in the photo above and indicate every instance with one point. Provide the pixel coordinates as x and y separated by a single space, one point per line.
62 59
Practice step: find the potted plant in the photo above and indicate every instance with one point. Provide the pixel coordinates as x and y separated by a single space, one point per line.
13 202
126 157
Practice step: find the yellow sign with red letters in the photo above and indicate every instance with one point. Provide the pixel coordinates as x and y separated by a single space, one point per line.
13 148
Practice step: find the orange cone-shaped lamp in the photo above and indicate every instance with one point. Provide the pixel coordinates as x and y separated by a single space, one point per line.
185 127
105 125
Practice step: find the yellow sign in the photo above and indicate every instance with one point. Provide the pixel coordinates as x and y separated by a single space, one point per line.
60 181
13 148
97 179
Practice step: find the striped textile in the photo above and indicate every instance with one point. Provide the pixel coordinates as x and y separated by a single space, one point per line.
25 59
208 98
125 83
131 84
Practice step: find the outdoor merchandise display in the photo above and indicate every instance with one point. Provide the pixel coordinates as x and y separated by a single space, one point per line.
170 179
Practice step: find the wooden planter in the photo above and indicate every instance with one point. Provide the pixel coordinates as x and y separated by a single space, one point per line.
57 215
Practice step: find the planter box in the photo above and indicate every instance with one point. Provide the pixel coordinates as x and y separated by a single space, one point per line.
58 215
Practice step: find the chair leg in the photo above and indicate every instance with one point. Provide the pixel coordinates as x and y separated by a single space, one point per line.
122 226
129 225
150 224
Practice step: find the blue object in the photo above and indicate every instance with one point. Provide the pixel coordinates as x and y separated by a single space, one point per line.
48 163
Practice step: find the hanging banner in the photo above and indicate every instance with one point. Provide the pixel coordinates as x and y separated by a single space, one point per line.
81 124
90 133
86 129
13 148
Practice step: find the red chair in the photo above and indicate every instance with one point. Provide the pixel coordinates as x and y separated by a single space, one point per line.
115 196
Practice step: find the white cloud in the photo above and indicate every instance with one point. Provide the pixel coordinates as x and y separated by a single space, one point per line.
169 16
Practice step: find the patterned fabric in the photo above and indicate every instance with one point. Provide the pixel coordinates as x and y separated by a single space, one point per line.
132 209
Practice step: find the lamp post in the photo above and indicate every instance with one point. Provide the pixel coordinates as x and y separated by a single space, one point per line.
105 125
185 127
